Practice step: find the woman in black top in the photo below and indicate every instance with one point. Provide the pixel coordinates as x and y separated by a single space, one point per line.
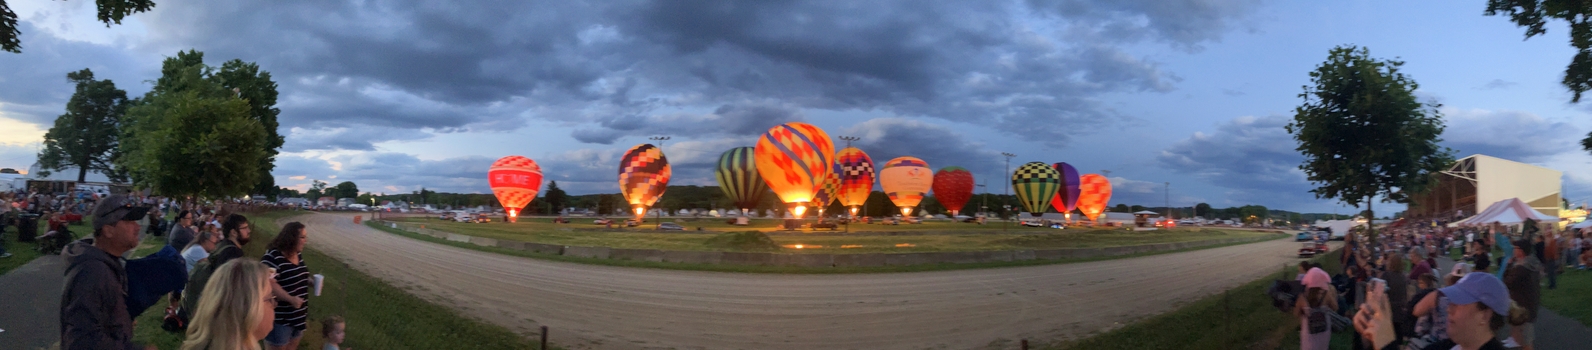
292 284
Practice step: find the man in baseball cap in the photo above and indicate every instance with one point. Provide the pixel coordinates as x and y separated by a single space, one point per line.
94 312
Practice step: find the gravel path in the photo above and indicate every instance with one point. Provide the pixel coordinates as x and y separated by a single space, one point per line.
603 307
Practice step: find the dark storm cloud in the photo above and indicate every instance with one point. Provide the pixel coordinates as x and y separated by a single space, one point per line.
1254 158
33 85
732 120
940 146
352 138
1021 67
1513 135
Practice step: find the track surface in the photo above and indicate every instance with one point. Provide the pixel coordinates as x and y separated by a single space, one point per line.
603 307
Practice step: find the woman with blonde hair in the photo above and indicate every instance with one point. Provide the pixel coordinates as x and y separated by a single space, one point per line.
235 311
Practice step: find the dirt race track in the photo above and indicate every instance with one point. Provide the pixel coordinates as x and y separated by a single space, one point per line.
602 307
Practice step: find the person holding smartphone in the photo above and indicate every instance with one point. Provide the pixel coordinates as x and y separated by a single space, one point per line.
1478 306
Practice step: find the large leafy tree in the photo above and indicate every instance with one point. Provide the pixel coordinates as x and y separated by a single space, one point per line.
1362 132
256 87
556 199
191 136
110 11
87 135
1534 15
345 189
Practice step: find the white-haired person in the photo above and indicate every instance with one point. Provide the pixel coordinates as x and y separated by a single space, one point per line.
236 309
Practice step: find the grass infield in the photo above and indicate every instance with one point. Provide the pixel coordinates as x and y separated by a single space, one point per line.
378 315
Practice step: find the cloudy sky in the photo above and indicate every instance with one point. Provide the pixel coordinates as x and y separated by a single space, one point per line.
396 95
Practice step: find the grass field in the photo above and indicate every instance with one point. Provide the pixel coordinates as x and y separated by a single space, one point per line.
379 315
1570 299
1241 318
927 237
24 252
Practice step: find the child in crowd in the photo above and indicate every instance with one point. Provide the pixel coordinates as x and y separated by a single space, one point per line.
332 329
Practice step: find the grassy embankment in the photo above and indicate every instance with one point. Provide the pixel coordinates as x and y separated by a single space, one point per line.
927 237
1570 298
379 315
737 242
1240 318
24 252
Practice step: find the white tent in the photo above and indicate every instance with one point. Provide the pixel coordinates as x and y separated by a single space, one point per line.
1509 212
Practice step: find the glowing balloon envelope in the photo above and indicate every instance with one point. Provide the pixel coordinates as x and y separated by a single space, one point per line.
856 177
737 175
515 181
829 191
643 176
794 159
905 180
1094 192
1036 184
953 186
1066 198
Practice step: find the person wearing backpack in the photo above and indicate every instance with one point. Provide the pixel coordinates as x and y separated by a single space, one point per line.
1313 309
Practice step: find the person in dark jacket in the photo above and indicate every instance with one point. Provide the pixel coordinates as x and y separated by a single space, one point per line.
1523 277
182 231
93 305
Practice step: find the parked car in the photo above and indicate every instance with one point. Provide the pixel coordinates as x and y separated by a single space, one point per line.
669 226
482 218
1304 236
831 225
603 221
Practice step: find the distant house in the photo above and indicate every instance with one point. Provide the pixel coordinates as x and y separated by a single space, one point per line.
1118 219
343 202
326 201
294 201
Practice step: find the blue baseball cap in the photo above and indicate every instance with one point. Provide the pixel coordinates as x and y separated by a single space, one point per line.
1480 287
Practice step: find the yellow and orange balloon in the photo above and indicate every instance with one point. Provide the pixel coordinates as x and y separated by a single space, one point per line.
1094 192
795 159
643 175
906 180
515 181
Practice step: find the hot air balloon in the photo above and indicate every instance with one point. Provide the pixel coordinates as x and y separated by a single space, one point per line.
515 181
1094 192
643 175
953 186
1036 184
1066 198
737 175
794 159
905 180
856 177
829 191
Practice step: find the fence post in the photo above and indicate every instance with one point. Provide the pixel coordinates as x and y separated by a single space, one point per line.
1025 344
1227 318
544 338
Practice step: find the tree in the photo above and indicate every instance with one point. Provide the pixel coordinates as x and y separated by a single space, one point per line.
1202 209
192 137
345 189
1362 132
556 199
110 11
87 135
1121 208
255 86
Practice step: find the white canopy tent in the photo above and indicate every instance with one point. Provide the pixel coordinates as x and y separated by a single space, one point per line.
1508 212
1581 225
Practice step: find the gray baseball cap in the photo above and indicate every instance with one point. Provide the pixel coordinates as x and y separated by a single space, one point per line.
115 208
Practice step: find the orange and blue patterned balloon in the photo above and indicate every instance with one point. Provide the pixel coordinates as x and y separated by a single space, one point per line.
830 190
794 159
643 176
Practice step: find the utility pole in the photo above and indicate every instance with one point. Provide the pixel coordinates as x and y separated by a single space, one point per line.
658 224
1169 200
1006 189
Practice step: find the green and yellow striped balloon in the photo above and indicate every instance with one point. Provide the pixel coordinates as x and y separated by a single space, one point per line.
1036 183
737 174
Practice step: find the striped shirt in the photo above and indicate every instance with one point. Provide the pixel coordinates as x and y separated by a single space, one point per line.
295 279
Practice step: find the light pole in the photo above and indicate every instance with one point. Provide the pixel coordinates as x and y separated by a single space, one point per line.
1169 201
1006 189
658 224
